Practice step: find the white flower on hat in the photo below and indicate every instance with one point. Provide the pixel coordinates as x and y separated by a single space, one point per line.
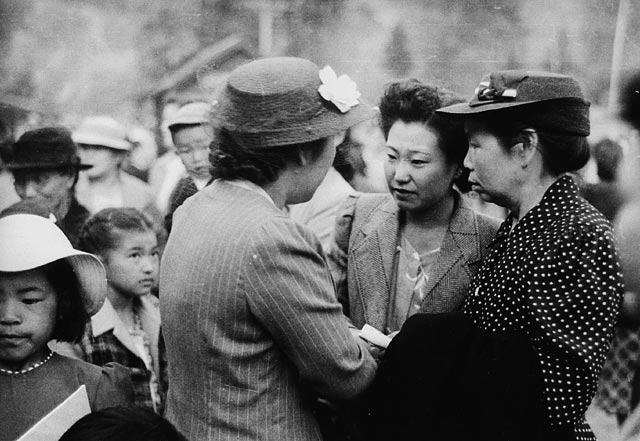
340 91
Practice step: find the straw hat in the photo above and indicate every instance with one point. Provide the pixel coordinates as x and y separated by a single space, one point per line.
567 110
103 131
30 241
45 148
283 101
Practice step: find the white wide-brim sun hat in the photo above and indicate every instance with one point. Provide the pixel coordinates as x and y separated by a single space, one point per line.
30 241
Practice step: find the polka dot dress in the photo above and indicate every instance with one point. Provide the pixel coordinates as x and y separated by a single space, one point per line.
556 277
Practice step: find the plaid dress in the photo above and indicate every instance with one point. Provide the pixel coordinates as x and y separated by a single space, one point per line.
615 387
105 347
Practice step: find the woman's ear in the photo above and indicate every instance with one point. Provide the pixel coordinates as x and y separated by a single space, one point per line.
305 156
526 146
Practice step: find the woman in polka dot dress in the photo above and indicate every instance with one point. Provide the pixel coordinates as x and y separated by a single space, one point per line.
552 271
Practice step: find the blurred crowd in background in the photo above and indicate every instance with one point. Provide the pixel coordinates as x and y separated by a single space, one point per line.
127 90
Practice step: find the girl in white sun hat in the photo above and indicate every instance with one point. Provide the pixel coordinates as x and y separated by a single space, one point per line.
48 291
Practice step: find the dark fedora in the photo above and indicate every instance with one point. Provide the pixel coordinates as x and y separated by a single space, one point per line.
284 101
554 100
45 148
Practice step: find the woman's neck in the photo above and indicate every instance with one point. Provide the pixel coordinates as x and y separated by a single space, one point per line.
530 195
277 193
438 214
425 230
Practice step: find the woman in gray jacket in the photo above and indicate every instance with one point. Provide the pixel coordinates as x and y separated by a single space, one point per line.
416 248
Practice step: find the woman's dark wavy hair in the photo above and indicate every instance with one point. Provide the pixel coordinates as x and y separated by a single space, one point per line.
413 101
231 159
100 233
561 152
71 316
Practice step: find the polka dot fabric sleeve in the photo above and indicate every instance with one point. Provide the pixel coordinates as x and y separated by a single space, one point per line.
573 299
556 277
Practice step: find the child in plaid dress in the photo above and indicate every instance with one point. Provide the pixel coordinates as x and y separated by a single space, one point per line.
126 330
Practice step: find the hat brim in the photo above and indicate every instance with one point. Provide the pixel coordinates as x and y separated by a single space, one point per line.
91 274
92 280
45 165
30 241
187 122
467 109
103 141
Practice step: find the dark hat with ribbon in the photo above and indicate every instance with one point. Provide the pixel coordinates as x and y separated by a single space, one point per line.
45 148
509 89
283 101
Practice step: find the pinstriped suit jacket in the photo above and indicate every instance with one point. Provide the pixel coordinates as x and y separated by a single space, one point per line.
362 258
251 322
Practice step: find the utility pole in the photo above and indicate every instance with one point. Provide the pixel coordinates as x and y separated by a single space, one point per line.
268 11
624 10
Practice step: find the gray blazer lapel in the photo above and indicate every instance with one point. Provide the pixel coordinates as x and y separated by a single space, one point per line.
373 256
450 275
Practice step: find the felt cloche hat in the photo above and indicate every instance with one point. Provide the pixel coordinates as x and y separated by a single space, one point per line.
284 100
521 89
103 131
45 148
30 241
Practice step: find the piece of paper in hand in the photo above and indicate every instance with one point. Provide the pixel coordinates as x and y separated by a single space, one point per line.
56 422
372 335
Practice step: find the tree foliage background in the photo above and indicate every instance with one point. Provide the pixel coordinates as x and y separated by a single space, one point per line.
77 57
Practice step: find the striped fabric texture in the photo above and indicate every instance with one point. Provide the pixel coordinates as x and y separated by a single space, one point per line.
252 326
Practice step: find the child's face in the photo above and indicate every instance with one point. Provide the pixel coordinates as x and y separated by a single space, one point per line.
28 307
132 266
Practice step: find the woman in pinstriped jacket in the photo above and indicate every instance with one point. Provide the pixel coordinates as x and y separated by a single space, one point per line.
252 326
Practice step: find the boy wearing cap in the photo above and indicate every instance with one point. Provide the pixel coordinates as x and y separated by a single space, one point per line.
104 145
45 168
191 135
